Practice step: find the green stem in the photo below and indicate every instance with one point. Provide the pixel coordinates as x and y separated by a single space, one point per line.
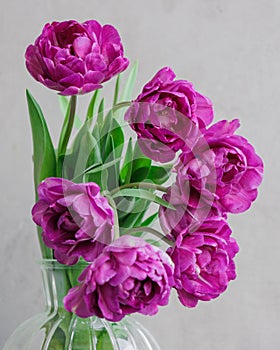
116 218
121 105
47 253
144 185
152 231
63 142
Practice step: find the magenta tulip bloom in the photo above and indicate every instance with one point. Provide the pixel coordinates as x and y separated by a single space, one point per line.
228 169
76 219
204 262
129 276
190 211
76 58
167 115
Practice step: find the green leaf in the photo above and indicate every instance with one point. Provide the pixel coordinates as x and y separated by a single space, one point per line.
114 147
144 194
149 220
66 132
111 129
86 145
140 218
140 205
64 104
43 151
117 88
126 170
92 105
131 206
137 234
100 116
95 154
140 166
154 242
137 152
113 172
118 138
96 168
99 121
94 159
125 206
128 88
133 217
159 174
104 341
83 154
130 219
140 169
104 180
57 339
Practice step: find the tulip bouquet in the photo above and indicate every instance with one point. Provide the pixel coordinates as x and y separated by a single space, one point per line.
142 192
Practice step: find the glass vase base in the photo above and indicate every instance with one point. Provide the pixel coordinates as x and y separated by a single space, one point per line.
83 334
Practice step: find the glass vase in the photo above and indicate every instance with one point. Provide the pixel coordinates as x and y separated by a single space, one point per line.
57 329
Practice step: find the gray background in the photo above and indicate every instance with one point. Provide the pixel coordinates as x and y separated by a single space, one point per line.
230 50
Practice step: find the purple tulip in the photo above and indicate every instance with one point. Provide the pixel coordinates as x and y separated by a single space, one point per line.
190 211
227 169
204 262
167 116
75 58
129 276
76 220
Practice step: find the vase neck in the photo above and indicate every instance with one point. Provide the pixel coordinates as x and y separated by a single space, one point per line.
57 280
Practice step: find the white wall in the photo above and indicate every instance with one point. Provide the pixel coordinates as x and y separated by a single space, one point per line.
230 50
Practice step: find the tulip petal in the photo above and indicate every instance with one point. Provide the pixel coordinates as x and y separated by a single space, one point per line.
75 58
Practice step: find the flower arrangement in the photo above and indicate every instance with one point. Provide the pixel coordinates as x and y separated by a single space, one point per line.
94 196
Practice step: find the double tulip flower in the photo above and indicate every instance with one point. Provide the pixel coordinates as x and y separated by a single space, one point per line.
217 172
